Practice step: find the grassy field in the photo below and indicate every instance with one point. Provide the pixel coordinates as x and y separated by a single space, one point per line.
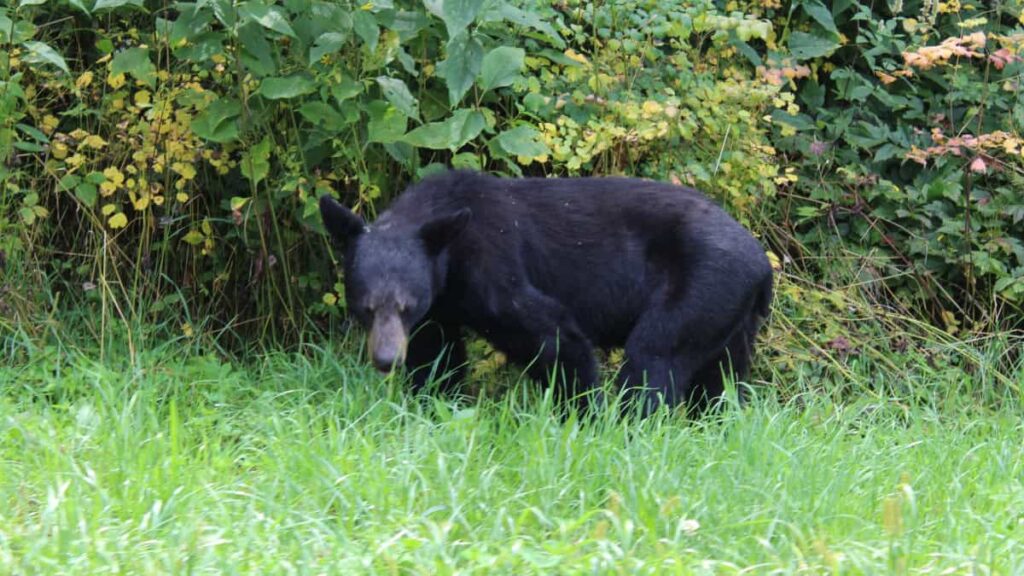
311 463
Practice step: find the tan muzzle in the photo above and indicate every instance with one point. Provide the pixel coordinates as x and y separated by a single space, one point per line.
387 342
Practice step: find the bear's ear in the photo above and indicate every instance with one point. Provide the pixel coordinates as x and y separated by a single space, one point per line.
342 224
439 232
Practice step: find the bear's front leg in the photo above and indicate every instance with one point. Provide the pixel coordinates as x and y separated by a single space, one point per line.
436 353
536 331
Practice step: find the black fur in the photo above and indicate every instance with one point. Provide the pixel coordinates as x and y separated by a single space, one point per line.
548 269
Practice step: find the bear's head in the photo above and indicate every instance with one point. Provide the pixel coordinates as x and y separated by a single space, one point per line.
394 270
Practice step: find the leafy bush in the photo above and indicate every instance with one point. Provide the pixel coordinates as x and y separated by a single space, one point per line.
909 146
164 161
167 163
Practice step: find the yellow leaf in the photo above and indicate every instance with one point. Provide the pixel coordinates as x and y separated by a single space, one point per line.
59 150
952 324
650 108
330 299
118 220
107 188
141 203
113 175
75 161
142 98
573 55
49 123
181 197
84 80
115 80
186 329
186 171
95 142
108 209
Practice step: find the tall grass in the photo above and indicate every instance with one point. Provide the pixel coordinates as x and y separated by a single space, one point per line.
311 462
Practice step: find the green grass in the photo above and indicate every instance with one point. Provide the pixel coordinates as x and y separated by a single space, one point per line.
310 463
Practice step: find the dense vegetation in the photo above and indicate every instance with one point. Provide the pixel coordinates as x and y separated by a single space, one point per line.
162 160
307 463
179 391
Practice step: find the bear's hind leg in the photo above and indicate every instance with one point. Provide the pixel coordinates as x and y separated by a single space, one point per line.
669 345
708 384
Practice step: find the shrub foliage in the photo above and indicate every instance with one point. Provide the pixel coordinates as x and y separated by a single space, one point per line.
163 160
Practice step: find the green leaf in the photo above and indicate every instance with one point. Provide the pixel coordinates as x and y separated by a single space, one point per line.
255 164
42 52
189 25
521 141
33 132
257 53
112 4
435 7
506 12
460 69
27 215
270 17
821 14
225 12
68 182
459 14
450 134
193 238
86 192
29 147
387 124
135 61
6 28
346 88
501 67
326 43
80 5
396 92
365 25
323 115
24 3
239 202
219 121
467 161
806 46
282 88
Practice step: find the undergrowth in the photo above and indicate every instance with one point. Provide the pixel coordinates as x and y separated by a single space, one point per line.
166 461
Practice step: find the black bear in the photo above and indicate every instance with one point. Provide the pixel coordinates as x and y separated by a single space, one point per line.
546 269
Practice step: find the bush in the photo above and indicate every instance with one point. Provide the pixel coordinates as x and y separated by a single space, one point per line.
908 147
166 163
163 162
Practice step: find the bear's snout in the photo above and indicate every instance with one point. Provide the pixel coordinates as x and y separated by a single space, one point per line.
387 342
